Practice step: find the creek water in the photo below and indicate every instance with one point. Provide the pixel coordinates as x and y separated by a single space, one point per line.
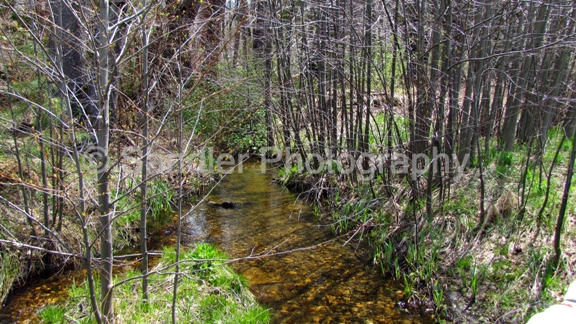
306 277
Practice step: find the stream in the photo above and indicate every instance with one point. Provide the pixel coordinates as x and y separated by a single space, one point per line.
319 280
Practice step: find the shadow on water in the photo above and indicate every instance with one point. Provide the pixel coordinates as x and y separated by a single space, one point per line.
323 284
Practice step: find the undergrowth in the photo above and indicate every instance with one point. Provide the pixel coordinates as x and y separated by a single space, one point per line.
209 292
451 263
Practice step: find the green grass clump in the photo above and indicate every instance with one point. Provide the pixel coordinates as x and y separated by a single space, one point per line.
209 291
52 314
9 271
128 207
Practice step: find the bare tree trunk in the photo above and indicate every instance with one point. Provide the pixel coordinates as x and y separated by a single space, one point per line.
423 111
516 94
80 85
529 119
262 45
563 205
103 136
495 110
181 84
39 115
557 85
453 94
472 93
145 151
368 77
61 49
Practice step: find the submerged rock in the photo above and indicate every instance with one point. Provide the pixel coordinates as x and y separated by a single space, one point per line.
224 204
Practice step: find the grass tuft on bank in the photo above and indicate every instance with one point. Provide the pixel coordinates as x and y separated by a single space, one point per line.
209 292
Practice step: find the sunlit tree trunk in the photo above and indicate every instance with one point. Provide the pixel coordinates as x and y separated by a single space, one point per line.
103 136
145 151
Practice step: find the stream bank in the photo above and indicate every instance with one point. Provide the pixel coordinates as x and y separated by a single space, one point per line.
292 264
